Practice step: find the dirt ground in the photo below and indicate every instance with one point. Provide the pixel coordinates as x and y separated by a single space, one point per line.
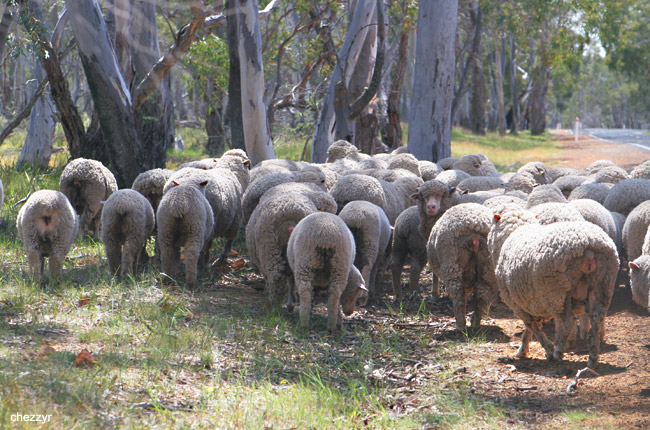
619 396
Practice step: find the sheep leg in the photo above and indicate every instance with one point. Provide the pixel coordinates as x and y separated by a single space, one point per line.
414 277
396 266
596 318
522 352
334 319
170 259
435 286
130 253
305 294
35 261
456 291
372 278
226 251
536 327
113 255
290 293
564 324
480 305
55 262
191 266
365 274
276 283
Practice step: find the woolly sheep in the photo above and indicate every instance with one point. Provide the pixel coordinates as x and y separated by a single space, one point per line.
524 182
459 257
480 183
429 169
151 183
596 213
412 229
371 230
392 197
552 212
185 220
406 162
257 188
494 202
258 171
343 149
268 231
641 171
640 280
47 225
86 184
545 194
373 163
635 230
452 177
609 175
555 271
127 221
388 175
321 252
476 165
204 164
619 222
597 165
555 174
568 183
447 163
324 202
538 170
627 194
593 191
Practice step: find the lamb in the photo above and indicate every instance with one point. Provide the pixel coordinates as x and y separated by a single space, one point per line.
641 171
593 191
429 169
538 170
481 183
151 183
268 231
392 197
476 165
87 183
371 230
545 194
47 225
412 229
555 271
185 220
569 183
627 194
640 280
635 230
257 188
452 177
321 252
458 255
127 221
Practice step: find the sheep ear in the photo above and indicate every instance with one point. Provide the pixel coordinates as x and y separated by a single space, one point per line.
175 183
464 192
203 184
497 217
204 168
451 190
414 196
634 266
363 287
247 163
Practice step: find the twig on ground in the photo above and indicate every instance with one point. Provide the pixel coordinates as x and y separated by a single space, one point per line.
574 384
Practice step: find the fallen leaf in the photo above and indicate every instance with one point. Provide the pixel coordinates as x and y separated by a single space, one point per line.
43 351
238 264
84 359
84 300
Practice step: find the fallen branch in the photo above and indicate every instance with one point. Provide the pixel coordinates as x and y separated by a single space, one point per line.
19 202
155 406
574 384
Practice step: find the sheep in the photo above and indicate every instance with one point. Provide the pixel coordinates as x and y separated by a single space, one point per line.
641 171
392 197
87 183
321 252
406 162
412 229
545 194
371 230
609 175
524 182
553 271
598 165
494 202
388 175
429 169
127 221
596 213
47 225
452 177
258 171
268 231
619 222
552 212
257 188
555 174
458 255
151 183
627 194
324 202
476 165
568 183
480 183
447 163
185 220
635 230
538 170
373 163
640 280
343 149
204 164
593 191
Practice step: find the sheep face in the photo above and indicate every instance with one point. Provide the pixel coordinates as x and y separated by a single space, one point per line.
353 290
640 280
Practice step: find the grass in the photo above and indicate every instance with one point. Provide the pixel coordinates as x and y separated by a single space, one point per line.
217 357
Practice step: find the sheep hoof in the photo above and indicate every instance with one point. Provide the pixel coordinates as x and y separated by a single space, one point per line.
521 353
557 355
592 362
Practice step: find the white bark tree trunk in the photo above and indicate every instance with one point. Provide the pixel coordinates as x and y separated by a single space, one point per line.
259 145
348 56
42 121
433 81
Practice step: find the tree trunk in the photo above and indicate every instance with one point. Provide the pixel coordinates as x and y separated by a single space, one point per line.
433 81
348 56
5 26
360 78
501 112
259 145
537 99
513 87
392 130
216 144
477 105
234 80
42 121
111 96
493 121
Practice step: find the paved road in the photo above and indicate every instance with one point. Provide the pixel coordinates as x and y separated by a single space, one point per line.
638 138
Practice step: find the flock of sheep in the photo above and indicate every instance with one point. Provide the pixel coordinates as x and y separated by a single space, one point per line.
546 241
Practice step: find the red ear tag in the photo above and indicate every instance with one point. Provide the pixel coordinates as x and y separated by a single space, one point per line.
497 217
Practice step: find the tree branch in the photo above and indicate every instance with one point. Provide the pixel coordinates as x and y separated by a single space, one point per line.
23 113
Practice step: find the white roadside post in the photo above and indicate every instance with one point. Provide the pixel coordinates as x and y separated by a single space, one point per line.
577 129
